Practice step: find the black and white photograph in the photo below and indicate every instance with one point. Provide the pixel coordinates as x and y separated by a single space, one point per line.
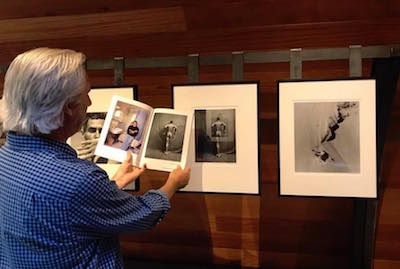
126 130
215 135
85 141
166 136
327 137
224 143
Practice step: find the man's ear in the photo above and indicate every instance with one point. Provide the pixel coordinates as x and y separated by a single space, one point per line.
68 108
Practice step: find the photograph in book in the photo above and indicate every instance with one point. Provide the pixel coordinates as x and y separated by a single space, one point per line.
126 128
166 137
215 135
156 137
327 137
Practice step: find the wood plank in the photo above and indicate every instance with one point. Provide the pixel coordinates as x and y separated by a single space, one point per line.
285 260
220 40
387 250
274 207
43 8
390 207
260 13
199 255
187 254
93 25
188 237
388 233
386 263
391 163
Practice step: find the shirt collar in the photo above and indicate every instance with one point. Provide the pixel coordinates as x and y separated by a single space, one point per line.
19 142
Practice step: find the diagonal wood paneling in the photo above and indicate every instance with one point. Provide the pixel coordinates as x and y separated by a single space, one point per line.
93 25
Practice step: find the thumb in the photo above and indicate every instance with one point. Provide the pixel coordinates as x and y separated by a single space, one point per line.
178 168
128 158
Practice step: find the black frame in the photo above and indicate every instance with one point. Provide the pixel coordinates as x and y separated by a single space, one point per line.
258 131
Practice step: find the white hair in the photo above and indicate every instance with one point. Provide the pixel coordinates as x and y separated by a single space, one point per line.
37 85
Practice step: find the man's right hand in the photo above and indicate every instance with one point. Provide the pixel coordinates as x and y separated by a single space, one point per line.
177 179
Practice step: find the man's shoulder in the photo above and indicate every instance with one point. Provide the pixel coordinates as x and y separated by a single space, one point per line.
50 173
64 174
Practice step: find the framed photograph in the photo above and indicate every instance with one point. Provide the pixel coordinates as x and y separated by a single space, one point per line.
327 138
224 145
85 141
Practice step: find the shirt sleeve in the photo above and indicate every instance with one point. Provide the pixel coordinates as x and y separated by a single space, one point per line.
99 207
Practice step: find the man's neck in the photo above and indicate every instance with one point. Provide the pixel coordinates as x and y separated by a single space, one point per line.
60 135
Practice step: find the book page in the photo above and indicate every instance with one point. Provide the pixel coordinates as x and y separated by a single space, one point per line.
168 140
125 129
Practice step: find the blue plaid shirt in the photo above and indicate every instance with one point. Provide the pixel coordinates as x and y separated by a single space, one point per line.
57 211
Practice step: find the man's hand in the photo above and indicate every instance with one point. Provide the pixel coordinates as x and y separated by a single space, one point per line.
87 149
177 179
126 172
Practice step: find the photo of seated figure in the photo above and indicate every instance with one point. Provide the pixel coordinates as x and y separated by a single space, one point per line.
126 127
131 134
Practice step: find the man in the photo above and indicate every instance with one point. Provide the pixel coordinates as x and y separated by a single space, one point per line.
219 127
131 133
91 130
58 211
169 131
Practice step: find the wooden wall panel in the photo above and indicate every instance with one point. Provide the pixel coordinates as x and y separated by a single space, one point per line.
93 25
254 231
239 25
329 34
45 8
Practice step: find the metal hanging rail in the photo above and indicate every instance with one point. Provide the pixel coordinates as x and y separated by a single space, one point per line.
248 57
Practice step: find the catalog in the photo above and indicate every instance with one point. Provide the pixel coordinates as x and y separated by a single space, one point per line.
156 137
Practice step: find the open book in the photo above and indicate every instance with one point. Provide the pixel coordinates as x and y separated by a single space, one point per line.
157 137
